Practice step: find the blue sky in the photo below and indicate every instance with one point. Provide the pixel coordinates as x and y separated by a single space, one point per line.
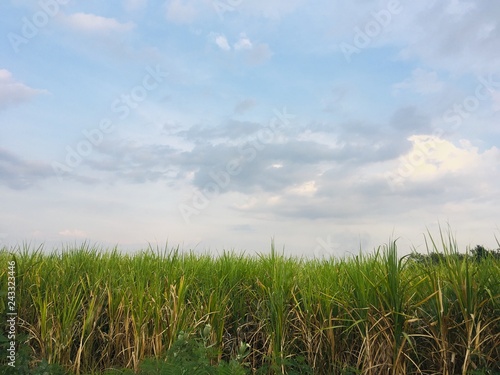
221 124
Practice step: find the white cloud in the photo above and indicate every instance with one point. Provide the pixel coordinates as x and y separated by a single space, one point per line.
306 189
243 43
221 41
179 11
443 158
253 52
88 22
13 92
435 161
422 82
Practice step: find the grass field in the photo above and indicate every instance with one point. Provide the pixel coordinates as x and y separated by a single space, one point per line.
91 310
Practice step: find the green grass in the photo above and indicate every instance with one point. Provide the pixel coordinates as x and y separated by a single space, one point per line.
92 310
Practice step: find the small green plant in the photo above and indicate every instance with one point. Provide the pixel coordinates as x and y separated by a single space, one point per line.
195 355
23 359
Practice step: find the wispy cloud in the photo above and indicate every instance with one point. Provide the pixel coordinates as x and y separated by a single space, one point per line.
254 53
20 174
222 43
13 92
88 22
243 43
422 82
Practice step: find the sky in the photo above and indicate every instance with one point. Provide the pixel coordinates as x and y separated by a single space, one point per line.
325 126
